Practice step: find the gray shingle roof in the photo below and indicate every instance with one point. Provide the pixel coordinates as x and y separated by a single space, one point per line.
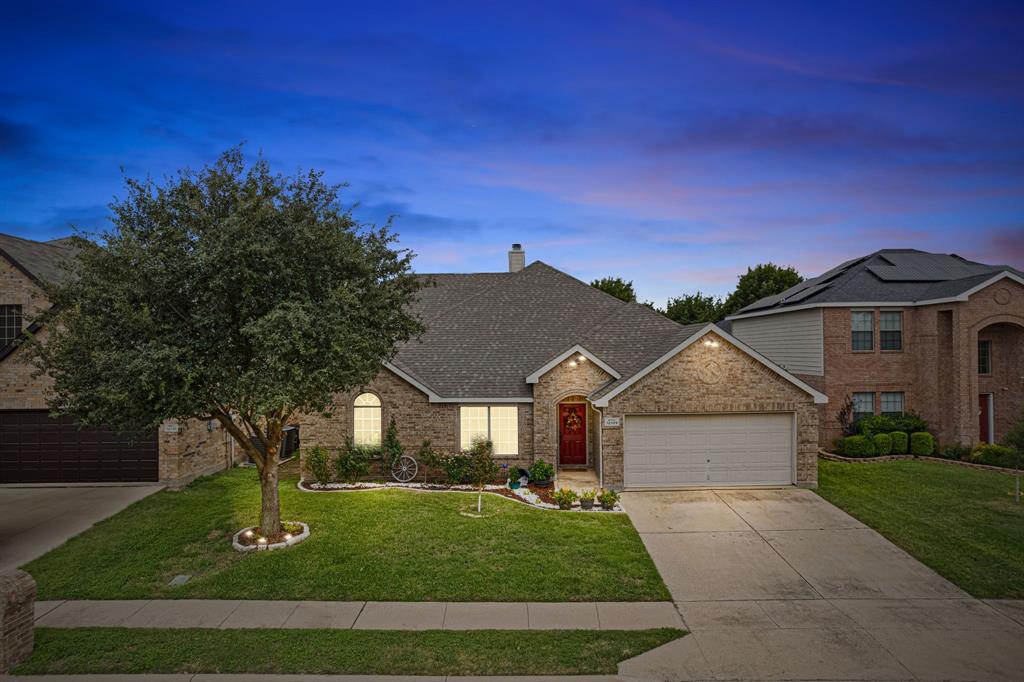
487 332
889 275
43 261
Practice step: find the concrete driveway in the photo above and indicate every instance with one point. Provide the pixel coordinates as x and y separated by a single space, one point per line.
34 520
781 585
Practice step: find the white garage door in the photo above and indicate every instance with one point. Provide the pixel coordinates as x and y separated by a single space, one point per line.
665 451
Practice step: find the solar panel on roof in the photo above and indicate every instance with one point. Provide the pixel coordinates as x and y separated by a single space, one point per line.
807 293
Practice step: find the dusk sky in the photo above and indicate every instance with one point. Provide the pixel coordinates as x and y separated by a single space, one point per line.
673 144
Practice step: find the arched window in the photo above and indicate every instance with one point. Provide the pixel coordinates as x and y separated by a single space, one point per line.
367 419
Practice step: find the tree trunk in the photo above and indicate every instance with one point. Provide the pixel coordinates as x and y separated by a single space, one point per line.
270 509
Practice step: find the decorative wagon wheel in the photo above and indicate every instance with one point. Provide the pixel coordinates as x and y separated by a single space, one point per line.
404 469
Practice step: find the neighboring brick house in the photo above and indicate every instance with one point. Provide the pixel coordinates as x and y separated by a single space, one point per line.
551 368
902 330
36 448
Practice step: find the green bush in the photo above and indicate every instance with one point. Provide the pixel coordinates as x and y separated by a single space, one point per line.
857 446
900 442
319 464
541 471
883 444
482 469
564 497
922 443
588 495
353 461
994 455
907 423
608 498
456 468
955 451
391 447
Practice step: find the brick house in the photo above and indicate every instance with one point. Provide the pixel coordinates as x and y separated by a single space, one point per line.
36 448
551 368
902 330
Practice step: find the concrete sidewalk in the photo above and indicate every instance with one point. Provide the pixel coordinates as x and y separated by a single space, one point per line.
229 614
205 677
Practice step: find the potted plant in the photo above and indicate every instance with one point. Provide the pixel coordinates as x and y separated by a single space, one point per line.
515 474
565 497
541 473
608 499
587 498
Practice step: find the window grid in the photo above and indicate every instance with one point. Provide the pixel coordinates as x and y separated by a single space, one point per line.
863 405
366 422
862 326
10 324
892 403
984 357
499 424
891 330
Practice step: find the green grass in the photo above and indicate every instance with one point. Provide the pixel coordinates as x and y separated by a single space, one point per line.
384 545
961 522
369 652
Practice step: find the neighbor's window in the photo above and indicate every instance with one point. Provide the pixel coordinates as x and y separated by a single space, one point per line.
890 327
892 404
863 405
863 325
10 324
366 420
499 424
984 357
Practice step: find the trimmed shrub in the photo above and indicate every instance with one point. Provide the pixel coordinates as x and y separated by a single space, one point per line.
900 442
857 446
994 455
922 443
541 471
456 468
353 461
907 423
955 451
883 444
319 464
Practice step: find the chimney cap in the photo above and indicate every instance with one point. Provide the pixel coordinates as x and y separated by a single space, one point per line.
517 247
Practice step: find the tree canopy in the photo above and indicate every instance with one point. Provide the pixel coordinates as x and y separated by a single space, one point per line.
228 293
617 287
694 308
757 282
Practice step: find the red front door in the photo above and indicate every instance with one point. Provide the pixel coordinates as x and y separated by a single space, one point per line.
572 430
984 417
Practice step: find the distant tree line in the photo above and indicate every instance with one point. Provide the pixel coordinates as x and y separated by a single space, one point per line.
766 279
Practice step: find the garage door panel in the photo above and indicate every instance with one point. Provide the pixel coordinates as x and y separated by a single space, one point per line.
35 448
695 450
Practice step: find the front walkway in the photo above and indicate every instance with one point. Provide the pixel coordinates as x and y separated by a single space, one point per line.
35 519
781 585
229 614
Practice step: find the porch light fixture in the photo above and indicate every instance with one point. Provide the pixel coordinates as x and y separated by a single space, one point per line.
583 358
711 342
573 363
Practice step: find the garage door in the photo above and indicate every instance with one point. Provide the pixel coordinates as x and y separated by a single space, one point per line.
666 451
35 448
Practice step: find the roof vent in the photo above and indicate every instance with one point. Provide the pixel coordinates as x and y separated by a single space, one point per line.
516 258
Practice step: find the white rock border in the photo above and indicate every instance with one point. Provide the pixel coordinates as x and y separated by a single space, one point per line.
522 494
293 540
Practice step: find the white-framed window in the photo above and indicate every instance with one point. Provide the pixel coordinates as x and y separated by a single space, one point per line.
862 326
497 423
863 405
10 324
366 419
892 403
890 330
985 356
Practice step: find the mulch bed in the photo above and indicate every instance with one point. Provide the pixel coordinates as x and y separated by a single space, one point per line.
287 529
546 495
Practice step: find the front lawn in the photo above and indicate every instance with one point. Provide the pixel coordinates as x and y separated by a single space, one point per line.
382 545
366 652
961 522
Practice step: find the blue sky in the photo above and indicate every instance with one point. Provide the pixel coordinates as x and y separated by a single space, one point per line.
673 144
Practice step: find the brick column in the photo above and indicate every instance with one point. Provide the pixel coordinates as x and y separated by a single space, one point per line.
17 618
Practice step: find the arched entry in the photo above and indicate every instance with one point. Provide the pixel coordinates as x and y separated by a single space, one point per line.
999 356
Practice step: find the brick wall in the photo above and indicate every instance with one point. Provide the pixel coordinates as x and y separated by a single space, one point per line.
194 450
937 367
741 385
21 391
17 618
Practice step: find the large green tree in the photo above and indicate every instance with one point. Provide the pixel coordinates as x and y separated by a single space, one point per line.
762 280
693 308
617 287
228 293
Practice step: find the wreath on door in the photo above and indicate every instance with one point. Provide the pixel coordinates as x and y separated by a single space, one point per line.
572 422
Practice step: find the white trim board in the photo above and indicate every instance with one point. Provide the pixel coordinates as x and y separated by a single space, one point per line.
561 357
959 298
819 398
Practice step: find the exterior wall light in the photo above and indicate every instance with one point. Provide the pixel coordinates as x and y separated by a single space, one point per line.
711 342
573 363
583 358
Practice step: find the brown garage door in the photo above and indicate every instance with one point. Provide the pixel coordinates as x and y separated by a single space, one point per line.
35 448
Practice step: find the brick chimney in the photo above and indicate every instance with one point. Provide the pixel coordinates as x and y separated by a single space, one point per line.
516 258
